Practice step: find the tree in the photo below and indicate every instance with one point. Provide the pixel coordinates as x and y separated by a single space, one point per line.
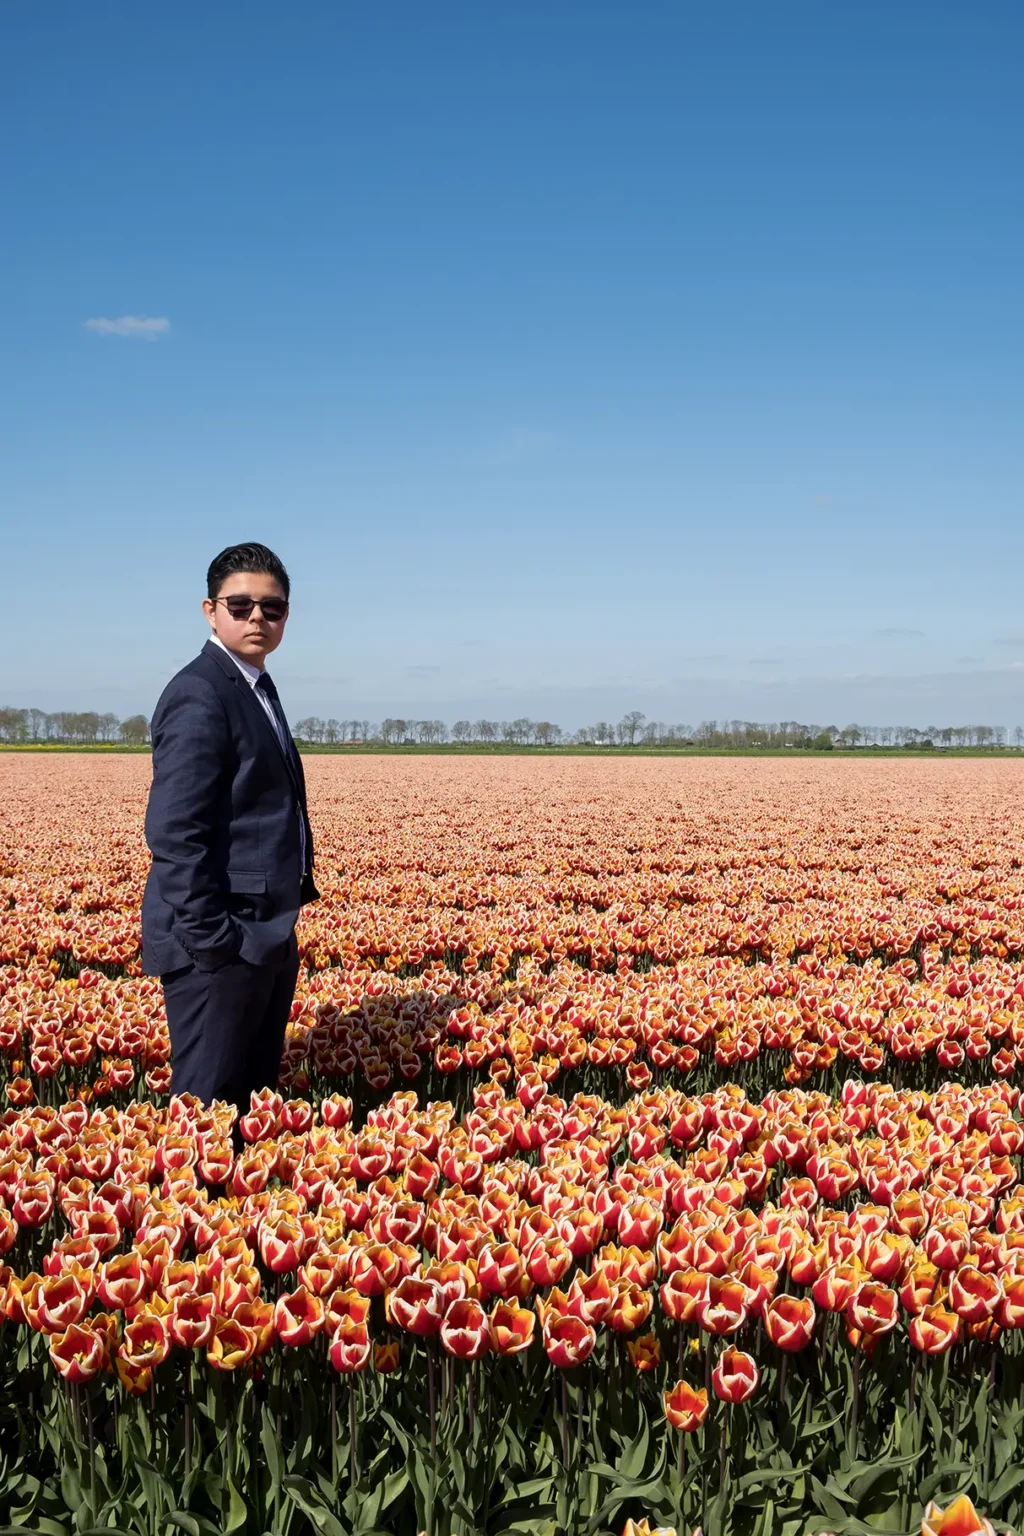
462 731
631 723
135 730
486 730
13 724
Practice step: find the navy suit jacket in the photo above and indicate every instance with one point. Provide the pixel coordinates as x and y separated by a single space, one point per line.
222 824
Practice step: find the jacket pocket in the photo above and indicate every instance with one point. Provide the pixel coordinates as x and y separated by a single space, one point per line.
247 882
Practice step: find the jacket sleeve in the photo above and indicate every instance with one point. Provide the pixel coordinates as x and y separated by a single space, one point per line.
309 891
192 754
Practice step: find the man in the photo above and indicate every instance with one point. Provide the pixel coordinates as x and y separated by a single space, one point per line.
231 842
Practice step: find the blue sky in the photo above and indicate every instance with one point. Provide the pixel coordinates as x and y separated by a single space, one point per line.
574 357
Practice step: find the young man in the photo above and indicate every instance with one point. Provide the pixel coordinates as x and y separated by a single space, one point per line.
231 842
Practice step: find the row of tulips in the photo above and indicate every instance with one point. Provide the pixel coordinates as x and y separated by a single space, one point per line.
684 1300
472 925
608 863
700 1023
571 1274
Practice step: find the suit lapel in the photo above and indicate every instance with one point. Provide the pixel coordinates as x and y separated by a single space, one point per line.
252 704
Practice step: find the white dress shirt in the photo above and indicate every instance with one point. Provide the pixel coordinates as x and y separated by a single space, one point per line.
252 676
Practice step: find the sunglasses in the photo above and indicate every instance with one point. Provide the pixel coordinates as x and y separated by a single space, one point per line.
273 609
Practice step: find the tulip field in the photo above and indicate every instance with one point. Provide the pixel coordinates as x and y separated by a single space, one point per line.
647 1153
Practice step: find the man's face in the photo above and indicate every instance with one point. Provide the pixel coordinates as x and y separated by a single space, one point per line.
255 637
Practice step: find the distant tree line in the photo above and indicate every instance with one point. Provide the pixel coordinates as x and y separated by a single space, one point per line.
634 729
67 728
88 728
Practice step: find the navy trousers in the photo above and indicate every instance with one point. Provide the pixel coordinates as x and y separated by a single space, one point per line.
227 1026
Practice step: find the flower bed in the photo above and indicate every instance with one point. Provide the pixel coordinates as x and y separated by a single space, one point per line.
538 1238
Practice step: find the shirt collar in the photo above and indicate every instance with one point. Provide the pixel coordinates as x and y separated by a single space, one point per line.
252 674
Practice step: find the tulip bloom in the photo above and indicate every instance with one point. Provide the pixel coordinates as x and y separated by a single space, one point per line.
512 1328
946 1244
682 1293
724 1308
959 1519
146 1341
192 1320
374 1269
350 1349
136 1379
298 1317
568 1341
973 1295
464 1331
1010 1312
920 1287
501 1271
416 1305
873 1309
686 1407
789 1322
631 1307
385 1357
232 1345
835 1288
62 1300
282 1245
122 1282
79 1353
591 1297
639 1224
645 1352
336 1111
735 1377
257 1318
934 1330
548 1259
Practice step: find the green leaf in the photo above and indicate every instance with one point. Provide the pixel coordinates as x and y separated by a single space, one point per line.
302 1492
394 1484
71 1488
43 1527
634 1458
238 1510
271 1444
766 1475
185 1522
1011 1478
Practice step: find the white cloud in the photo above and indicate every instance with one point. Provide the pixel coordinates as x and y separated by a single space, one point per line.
142 327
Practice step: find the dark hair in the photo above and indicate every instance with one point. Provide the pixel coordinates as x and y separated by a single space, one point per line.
245 557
